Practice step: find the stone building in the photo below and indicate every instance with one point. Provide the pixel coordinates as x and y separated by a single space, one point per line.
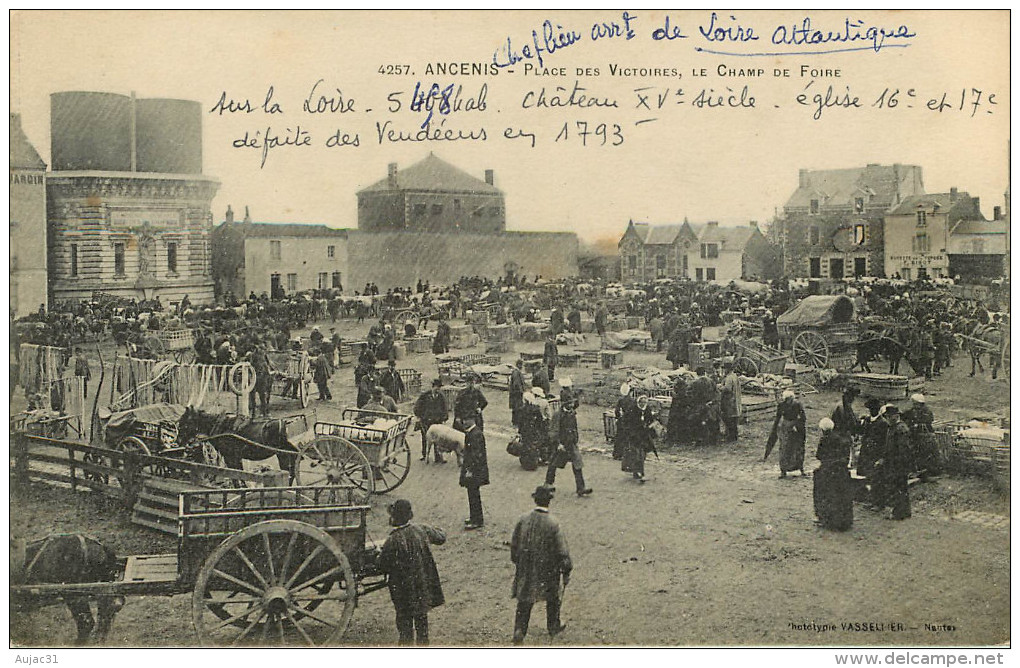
832 224
128 205
917 233
277 258
702 252
978 248
27 224
432 196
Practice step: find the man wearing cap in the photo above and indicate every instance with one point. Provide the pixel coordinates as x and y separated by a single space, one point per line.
890 486
568 449
381 402
533 431
430 409
470 403
474 472
919 420
729 399
320 374
833 489
413 577
539 551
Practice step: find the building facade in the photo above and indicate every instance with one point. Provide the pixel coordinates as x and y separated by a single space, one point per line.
28 286
432 196
978 249
128 207
277 259
917 233
702 252
832 225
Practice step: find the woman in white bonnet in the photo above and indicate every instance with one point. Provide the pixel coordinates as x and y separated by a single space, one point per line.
788 430
833 488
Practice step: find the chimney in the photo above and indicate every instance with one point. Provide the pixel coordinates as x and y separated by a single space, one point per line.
489 176
247 216
230 215
977 205
391 175
953 193
803 178
997 213
754 224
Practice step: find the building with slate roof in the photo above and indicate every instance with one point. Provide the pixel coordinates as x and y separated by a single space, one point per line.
432 196
702 252
27 224
278 259
832 223
918 232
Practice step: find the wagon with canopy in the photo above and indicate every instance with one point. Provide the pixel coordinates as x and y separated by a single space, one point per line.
821 331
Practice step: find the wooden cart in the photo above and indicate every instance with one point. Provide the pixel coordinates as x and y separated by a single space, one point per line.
179 344
293 368
353 451
753 357
821 331
280 566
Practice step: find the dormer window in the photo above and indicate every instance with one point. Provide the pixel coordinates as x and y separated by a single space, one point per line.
814 207
922 218
858 205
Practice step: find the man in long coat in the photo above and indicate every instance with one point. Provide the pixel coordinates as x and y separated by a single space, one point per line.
539 550
474 472
516 388
470 403
551 356
890 486
729 393
413 576
430 409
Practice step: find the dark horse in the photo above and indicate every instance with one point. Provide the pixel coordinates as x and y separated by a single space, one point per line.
239 437
69 558
874 344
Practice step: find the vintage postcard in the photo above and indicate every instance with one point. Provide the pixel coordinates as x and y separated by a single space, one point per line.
636 328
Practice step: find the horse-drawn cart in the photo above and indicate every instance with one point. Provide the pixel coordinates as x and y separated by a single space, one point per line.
821 331
753 357
367 449
270 566
294 369
178 344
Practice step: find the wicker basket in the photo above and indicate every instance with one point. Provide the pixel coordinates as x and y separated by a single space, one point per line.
412 383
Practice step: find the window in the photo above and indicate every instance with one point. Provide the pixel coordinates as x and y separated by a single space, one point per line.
632 260
74 259
171 257
323 280
860 266
699 274
905 273
921 242
859 205
494 211
836 268
684 272
437 209
710 274
118 259
419 209
274 250
710 250
292 282
814 206
330 251
660 266
813 235
922 218
336 280
456 206
860 235
815 267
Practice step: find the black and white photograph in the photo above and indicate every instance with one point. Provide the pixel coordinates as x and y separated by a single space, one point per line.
682 329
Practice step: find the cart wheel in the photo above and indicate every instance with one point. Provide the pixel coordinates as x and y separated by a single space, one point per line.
278 582
745 366
303 388
95 476
811 349
331 460
1005 358
393 469
137 446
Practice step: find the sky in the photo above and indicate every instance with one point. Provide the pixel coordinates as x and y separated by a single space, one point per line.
720 163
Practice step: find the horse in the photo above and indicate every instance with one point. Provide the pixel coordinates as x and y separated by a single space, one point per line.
64 559
234 450
874 344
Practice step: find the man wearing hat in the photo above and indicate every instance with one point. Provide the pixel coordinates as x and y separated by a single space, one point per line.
470 403
551 355
890 486
568 449
474 472
413 577
919 420
729 399
541 379
539 551
392 382
430 409
516 387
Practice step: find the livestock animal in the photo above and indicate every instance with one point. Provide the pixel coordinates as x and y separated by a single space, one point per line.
444 439
874 344
240 438
65 559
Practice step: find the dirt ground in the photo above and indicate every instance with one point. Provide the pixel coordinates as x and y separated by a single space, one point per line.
712 550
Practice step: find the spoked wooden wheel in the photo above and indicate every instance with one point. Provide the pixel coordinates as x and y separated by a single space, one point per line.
134 445
304 387
810 348
394 467
745 366
331 460
279 582
1005 358
95 476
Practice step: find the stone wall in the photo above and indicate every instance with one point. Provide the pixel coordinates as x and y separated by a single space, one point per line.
391 259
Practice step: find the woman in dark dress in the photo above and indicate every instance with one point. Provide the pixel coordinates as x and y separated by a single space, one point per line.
640 439
833 488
